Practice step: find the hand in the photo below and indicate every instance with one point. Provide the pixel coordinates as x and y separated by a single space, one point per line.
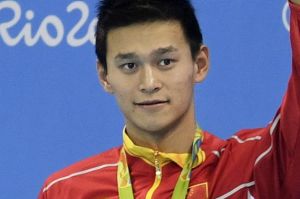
296 1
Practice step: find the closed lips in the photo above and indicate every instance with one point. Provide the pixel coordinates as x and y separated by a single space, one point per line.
152 102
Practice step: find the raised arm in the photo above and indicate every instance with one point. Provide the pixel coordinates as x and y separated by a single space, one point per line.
277 173
290 109
289 123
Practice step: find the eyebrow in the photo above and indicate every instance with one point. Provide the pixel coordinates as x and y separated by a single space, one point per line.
161 51
154 53
121 56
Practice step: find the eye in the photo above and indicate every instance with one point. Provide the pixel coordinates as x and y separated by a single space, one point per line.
128 67
166 63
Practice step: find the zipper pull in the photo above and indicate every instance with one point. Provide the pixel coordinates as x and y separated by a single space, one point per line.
156 163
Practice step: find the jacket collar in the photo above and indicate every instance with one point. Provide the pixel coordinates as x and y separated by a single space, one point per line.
149 155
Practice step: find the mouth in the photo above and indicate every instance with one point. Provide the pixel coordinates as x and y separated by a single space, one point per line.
150 103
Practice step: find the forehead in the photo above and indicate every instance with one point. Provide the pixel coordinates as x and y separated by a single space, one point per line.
145 37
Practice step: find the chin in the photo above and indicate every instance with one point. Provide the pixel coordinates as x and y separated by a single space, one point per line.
152 128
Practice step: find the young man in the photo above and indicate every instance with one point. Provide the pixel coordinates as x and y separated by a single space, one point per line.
150 56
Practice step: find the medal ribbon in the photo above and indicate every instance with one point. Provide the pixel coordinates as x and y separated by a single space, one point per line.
182 185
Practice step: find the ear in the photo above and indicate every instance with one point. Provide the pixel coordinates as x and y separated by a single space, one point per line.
201 64
102 75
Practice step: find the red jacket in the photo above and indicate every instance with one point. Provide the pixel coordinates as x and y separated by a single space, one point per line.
254 163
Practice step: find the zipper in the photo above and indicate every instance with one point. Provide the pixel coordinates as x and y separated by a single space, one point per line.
157 164
158 175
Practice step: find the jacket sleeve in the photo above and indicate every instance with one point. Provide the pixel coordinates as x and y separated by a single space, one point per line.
289 126
277 174
41 195
290 109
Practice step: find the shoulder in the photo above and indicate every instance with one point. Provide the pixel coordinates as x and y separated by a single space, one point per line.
255 140
99 166
244 143
250 136
211 142
247 147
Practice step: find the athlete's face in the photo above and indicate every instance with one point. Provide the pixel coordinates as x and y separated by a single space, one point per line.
151 72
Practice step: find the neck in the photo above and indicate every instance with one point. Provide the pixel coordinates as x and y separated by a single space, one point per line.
177 137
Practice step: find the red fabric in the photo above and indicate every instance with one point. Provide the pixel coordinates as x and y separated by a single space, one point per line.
266 166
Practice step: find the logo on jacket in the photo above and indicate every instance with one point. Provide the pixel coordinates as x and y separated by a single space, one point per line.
198 191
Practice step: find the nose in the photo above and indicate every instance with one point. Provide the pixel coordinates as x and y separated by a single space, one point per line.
149 82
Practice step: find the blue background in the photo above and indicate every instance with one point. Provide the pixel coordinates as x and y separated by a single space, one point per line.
53 112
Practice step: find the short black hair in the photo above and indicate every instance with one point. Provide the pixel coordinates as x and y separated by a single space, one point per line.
113 14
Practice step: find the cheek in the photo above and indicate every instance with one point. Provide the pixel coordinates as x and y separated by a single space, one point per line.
183 79
183 85
120 86
124 94
183 90
184 71
124 101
